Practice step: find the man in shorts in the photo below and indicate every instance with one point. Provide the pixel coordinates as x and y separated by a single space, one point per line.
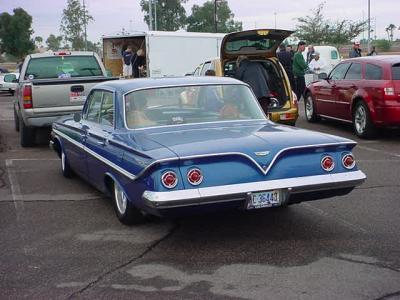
127 57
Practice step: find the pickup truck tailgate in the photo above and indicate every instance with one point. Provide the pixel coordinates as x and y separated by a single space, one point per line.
62 92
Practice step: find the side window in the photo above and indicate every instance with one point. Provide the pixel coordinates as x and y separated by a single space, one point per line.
334 54
206 66
94 104
9 77
339 71
107 109
354 72
373 72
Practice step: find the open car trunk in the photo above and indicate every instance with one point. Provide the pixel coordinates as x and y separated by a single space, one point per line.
258 45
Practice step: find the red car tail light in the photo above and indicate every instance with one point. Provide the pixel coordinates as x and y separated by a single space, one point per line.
194 176
169 179
388 91
348 161
327 163
27 96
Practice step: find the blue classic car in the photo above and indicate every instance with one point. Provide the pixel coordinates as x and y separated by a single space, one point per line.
170 146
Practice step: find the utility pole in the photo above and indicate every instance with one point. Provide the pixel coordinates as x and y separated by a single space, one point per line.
150 15
155 15
215 16
369 26
84 23
275 19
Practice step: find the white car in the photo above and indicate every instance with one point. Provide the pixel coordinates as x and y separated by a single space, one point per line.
329 55
8 82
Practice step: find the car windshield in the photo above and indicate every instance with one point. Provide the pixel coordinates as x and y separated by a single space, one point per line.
190 104
63 67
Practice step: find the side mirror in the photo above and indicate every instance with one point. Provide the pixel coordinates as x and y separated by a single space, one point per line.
322 76
77 117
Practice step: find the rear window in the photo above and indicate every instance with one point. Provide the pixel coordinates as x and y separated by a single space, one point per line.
252 42
373 72
396 72
63 67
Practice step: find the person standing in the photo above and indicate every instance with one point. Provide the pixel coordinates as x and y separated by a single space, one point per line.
299 69
138 63
310 53
285 58
127 57
356 51
373 52
317 64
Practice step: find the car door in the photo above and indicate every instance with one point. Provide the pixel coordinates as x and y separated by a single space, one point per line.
104 153
325 93
345 89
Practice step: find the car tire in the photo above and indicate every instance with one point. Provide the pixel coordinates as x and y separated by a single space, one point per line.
65 167
126 212
27 134
16 121
362 124
309 110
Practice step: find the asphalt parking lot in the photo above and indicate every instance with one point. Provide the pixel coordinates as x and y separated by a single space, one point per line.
60 239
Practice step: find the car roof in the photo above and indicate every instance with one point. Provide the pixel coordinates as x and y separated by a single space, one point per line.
128 85
55 53
389 59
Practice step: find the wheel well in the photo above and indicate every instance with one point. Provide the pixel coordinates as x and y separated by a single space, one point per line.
57 146
109 183
355 101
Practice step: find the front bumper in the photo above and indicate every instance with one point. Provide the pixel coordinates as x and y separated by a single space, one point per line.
296 190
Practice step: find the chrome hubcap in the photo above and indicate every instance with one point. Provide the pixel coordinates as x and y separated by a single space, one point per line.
120 198
360 119
309 108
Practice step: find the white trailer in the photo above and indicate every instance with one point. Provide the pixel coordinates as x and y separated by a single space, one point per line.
167 53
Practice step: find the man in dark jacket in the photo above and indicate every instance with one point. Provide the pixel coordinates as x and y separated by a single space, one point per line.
356 51
286 59
255 75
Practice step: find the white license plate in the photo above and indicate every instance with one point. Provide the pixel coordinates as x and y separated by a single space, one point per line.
264 199
76 97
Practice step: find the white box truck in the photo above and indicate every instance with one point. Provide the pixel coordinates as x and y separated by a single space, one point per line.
167 53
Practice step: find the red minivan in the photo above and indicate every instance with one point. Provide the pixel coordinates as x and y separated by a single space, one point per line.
364 91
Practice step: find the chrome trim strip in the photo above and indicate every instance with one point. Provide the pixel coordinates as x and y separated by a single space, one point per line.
342 102
237 192
324 100
94 154
333 118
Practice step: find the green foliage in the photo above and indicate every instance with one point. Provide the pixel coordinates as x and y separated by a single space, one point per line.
316 29
171 15
53 42
202 18
73 22
15 33
38 40
389 30
382 45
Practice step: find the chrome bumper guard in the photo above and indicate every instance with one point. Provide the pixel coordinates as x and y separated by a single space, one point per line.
240 192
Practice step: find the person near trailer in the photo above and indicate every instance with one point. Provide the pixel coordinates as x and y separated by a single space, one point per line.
299 69
286 59
138 64
127 56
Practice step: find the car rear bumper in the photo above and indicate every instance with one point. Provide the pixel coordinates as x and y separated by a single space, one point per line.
293 190
285 116
387 116
45 117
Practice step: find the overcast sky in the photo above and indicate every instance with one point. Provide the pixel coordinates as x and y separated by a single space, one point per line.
110 16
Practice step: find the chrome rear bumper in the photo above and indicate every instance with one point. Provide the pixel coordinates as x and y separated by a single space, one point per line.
328 185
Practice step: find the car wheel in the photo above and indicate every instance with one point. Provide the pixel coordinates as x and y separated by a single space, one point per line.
126 212
16 121
27 134
311 116
362 123
65 167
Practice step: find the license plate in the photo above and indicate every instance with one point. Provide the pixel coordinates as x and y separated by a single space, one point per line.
264 199
76 97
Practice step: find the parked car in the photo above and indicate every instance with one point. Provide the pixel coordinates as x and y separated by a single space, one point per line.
258 45
182 145
363 91
8 82
52 85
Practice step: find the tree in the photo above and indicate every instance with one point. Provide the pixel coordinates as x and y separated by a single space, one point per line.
53 42
316 29
171 15
38 40
15 33
73 22
202 18
389 30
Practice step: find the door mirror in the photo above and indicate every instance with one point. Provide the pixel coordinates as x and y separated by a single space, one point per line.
322 76
77 117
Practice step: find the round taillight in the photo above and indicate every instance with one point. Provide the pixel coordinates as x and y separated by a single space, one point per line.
327 163
169 180
348 161
194 176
